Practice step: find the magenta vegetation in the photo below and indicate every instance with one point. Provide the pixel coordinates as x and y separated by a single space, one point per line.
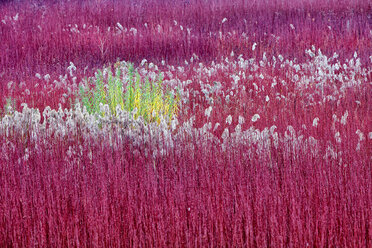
271 146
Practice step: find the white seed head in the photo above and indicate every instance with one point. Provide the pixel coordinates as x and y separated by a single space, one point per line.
337 137
207 112
229 119
47 77
291 130
10 84
225 133
15 18
207 126
334 118
344 117
241 120
174 124
143 62
360 134
134 31
120 26
315 122
238 128
255 117
254 46
218 124
272 129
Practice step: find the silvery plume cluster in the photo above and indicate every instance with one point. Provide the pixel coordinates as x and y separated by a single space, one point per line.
77 122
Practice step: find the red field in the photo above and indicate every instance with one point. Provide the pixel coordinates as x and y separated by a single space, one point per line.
271 146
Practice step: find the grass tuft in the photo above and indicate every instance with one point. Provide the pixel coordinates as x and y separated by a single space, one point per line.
142 97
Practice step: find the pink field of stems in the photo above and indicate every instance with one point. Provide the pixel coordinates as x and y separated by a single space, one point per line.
272 146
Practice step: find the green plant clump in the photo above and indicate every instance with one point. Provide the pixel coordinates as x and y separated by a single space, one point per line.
147 97
9 107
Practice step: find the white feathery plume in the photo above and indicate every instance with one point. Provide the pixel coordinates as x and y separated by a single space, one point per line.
229 119
255 117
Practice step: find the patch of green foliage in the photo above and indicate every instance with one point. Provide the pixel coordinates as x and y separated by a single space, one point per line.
150 99
9 107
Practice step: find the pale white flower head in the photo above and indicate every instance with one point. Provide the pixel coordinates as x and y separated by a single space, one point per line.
207 112
207 126
315 121
104 108
225 133
360 134
229 119
36 117
71 68
272 129
254 46
120 26
143 62
241 120
291 130
344 117
218 124
10 84
255 117
238 128
357 147
334 118
174 124
15 18
133 30
47 77
337 137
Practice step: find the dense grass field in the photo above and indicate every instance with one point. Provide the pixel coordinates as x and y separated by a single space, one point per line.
185 123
